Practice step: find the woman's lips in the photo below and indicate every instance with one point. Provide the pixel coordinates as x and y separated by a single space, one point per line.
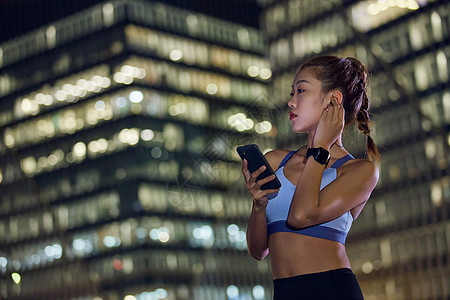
292 115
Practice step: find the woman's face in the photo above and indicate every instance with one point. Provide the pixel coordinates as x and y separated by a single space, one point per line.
307 102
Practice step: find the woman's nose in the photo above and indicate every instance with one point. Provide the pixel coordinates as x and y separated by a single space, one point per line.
291 102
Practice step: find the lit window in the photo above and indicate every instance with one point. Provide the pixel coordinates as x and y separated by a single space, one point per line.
79 150
176 55
282 51
192 21
50 35
415 36
121 102
100 145
120 77
28 165
108 14
236 237
147 134
436 25
129 136
436 194
263 127
240 122
100 105
243 37
202 235
442 66
9 139
253 71
232 292
160 234
177 109
111 241
136 97
265 73
258 292
174 137
211 88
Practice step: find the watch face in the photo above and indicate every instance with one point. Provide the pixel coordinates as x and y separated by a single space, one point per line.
320 155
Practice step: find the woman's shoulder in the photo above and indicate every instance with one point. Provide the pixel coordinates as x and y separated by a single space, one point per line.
274 157
361 167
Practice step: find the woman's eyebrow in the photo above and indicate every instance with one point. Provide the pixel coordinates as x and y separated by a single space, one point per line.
300 81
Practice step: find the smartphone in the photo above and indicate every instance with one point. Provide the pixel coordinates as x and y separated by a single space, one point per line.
255 160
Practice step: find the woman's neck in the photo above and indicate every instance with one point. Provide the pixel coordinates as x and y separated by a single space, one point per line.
336 149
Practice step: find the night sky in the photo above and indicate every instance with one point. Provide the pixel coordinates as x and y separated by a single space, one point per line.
20 16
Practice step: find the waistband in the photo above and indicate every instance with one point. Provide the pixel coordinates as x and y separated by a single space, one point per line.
330 273
318 231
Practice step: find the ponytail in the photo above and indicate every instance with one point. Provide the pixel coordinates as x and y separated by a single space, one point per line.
363 119
372 150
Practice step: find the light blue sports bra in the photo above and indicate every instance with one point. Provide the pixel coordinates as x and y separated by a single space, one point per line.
279 203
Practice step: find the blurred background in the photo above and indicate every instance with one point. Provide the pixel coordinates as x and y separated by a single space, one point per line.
118 127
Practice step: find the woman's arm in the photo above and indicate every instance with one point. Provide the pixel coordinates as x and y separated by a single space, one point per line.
310 206
257 225
257 233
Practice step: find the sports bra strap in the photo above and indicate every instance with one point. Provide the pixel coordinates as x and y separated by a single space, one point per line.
287 157
341 161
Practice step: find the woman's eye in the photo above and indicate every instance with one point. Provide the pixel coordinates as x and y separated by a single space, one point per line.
300 91
291 94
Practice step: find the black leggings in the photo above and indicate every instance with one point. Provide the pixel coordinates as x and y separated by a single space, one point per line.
339 284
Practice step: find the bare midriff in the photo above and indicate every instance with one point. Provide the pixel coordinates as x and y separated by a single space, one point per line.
294 254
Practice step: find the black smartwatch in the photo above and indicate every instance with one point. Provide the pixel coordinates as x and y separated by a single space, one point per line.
321 155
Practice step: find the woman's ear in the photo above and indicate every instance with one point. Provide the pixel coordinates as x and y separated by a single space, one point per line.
337 95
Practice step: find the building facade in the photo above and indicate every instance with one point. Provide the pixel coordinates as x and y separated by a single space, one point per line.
399 246
118 172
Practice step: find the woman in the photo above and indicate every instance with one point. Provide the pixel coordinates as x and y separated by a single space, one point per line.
304 228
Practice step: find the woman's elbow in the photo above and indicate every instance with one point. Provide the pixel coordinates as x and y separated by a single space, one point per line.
259 255
298 221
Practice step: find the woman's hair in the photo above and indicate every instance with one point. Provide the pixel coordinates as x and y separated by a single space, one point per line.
349 76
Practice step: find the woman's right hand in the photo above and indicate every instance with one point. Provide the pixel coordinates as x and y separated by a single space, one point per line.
259 196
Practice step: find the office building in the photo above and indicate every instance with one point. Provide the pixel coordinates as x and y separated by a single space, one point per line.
399 245
117 165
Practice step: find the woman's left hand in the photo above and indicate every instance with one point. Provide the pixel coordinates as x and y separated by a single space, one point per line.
331 125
